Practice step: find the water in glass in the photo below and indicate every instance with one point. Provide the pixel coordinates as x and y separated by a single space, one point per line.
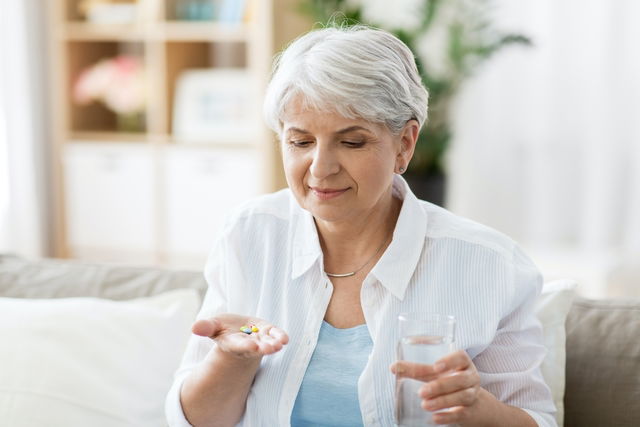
418 349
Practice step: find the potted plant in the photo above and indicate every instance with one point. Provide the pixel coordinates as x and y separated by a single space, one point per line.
450 39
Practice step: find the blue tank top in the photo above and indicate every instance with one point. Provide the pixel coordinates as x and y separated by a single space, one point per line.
328 395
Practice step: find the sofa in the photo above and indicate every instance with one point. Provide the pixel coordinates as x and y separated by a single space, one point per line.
85 344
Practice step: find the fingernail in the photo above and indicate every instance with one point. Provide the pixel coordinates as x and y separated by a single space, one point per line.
439 367
429 404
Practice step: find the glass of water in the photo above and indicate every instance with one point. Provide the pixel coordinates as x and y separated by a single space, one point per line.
424 338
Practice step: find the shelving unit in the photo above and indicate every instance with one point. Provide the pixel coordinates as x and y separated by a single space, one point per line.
149 197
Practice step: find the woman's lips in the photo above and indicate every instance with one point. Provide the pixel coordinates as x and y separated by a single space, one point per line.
327 193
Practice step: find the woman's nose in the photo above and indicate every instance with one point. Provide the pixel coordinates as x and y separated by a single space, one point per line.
324 162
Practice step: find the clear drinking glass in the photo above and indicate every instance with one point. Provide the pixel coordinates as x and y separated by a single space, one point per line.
424 338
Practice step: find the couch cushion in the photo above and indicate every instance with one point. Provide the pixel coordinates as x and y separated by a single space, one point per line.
89 361
603 364
56 278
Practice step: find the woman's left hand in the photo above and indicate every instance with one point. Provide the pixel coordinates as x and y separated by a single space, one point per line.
451 383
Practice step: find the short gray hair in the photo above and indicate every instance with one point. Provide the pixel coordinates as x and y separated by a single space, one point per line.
357 72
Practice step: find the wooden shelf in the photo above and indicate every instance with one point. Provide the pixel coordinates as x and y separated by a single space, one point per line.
170 31
82 31
109 137
162 139
152 183
200 31
214 144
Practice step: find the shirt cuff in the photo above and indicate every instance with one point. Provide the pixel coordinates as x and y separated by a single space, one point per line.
173 407
543 419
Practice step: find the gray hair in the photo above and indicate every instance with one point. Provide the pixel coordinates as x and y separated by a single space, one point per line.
357 72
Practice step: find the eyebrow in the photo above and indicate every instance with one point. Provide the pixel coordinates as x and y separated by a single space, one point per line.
340 132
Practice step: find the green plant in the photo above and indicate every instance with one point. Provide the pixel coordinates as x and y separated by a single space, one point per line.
461 34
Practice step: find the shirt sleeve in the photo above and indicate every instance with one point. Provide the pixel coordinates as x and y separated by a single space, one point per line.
509 367
215 301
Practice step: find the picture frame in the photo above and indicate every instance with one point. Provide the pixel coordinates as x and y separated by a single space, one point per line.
214 106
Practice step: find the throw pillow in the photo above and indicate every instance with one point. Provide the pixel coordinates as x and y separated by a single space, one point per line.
91 362
552 309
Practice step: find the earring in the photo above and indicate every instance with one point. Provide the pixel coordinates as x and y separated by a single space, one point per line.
400 169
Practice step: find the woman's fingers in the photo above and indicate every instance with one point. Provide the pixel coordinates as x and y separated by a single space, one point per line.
463 397
267 344
417 371
206 327
454 415
279 335
456 361
271 339
449 383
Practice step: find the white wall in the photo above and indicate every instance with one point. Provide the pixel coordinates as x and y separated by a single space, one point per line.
23 145
547 145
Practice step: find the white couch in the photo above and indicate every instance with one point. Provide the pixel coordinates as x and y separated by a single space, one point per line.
96 345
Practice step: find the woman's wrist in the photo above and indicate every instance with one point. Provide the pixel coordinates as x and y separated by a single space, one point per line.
218 388
493 413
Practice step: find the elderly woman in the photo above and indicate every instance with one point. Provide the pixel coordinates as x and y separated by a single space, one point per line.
322 270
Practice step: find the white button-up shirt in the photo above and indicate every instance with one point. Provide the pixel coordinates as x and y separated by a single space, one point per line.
269 264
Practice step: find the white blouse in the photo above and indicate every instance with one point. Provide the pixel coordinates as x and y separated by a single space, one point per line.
268 263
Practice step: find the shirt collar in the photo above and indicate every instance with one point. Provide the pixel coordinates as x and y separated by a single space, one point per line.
395 268
398 263
306 244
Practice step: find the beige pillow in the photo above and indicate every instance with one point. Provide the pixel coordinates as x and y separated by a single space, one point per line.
603 363
91 362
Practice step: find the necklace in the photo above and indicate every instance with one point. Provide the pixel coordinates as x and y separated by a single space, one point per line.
353 273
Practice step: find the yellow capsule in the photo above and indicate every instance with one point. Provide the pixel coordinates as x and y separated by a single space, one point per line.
254 329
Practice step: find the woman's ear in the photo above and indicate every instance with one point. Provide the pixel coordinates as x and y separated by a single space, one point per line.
408 138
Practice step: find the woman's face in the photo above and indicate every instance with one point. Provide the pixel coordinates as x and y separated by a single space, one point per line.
340 169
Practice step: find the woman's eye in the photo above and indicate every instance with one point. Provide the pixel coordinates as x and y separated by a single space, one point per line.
353 144
299 143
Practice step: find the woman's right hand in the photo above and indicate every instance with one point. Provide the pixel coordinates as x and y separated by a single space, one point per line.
216 392
224 329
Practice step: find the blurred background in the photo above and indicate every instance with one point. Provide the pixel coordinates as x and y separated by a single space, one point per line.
129 129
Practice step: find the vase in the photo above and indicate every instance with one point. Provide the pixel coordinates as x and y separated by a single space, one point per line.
130 122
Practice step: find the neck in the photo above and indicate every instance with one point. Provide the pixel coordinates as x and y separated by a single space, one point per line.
346 246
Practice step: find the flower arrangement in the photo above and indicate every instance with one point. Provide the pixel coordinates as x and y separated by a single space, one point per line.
450 39
119 83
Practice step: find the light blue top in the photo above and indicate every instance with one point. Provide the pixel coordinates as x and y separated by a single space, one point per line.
328 395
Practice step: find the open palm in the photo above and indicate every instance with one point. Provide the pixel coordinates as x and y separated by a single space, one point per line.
224 329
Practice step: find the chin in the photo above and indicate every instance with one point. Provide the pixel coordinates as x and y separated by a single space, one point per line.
327 213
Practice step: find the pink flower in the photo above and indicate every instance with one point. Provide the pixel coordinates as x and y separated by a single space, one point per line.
118 82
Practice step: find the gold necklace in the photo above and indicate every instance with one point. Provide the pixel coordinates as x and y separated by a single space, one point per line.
353 273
